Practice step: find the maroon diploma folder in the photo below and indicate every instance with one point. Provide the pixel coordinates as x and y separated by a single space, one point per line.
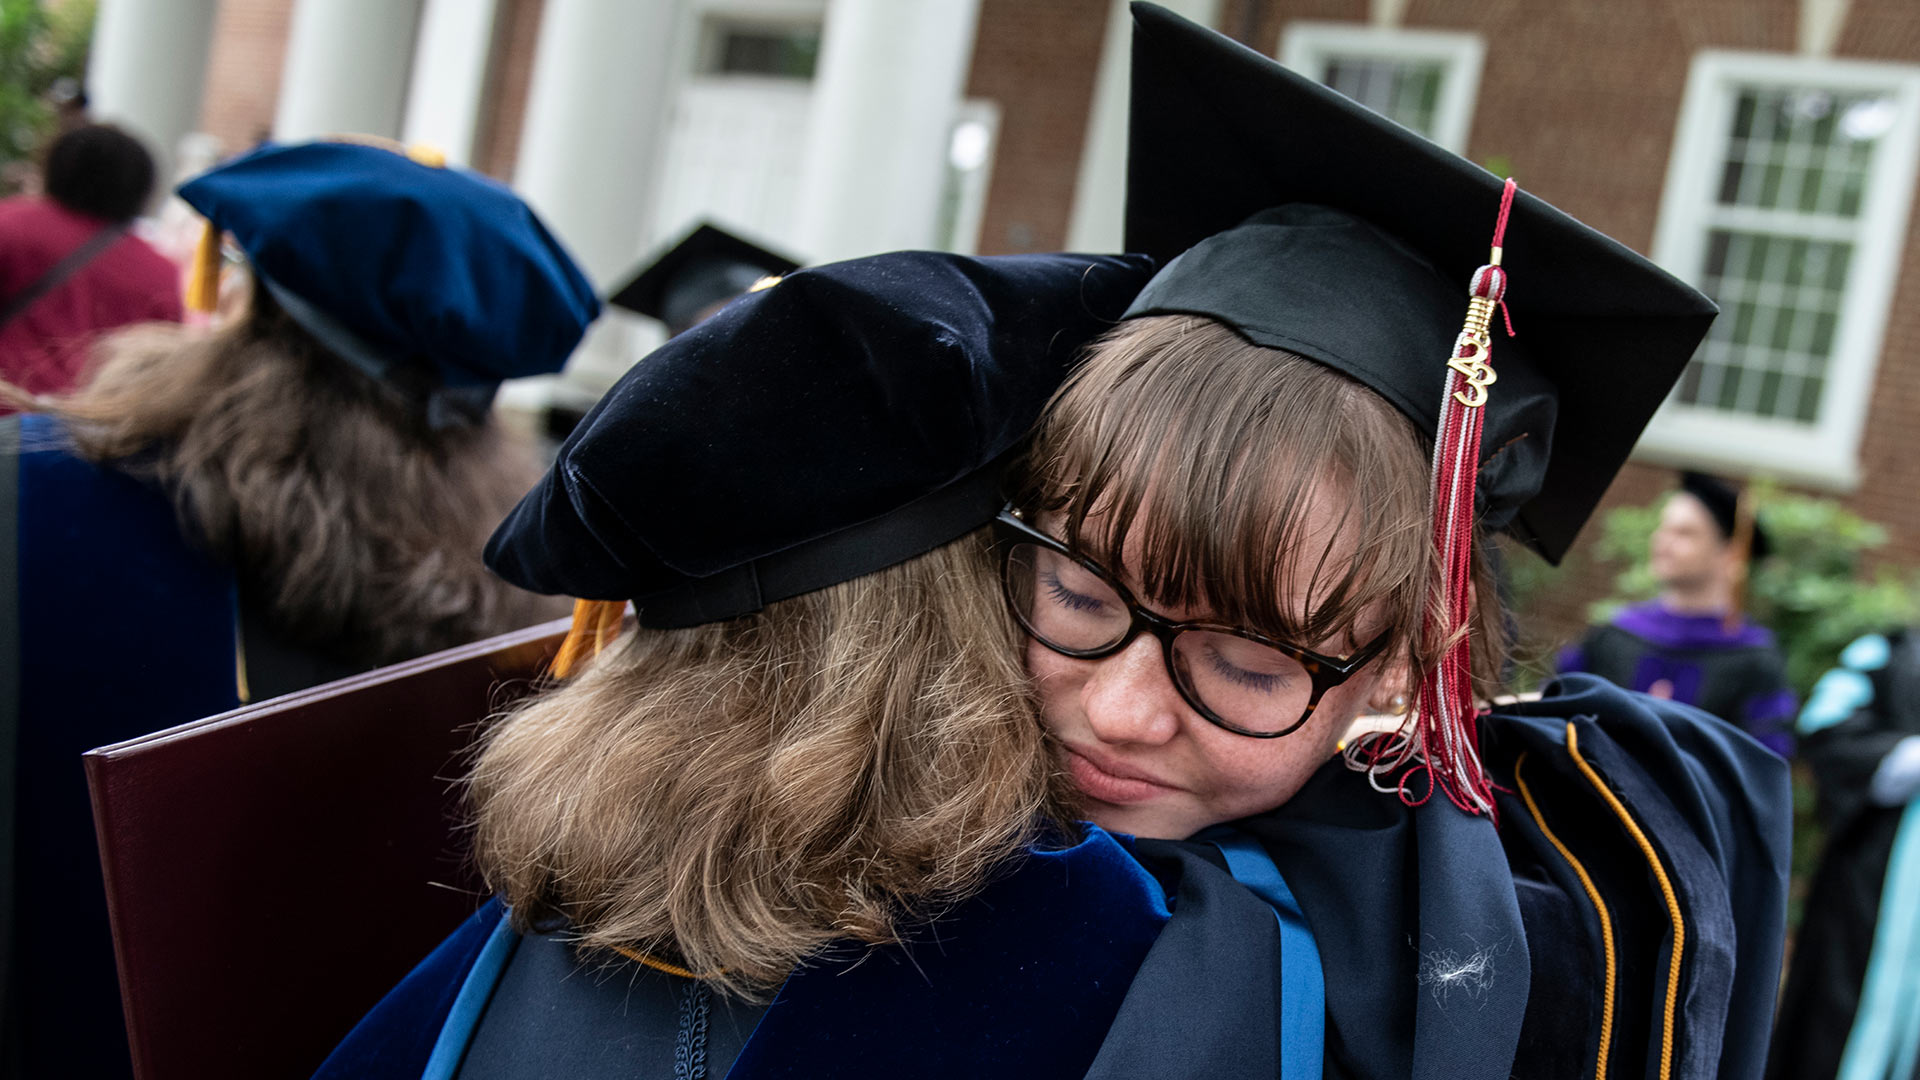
272 871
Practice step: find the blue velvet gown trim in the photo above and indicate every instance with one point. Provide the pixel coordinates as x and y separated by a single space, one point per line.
1023 980
463 1017
397 1038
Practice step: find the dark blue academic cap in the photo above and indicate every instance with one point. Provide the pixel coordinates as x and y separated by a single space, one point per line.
844 420
1310 223
428 277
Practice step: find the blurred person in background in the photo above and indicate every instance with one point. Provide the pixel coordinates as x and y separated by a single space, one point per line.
1852 1001
1692 644
70 266
227 516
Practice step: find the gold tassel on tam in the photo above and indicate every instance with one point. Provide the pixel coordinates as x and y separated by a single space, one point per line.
595 623
203 277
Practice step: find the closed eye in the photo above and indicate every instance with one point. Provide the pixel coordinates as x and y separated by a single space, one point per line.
1259 681
1067 598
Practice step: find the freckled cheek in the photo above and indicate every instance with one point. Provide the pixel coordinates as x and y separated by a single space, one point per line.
1252 776
1059 681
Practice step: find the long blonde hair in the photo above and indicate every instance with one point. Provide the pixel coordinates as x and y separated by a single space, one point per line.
741 794
355 526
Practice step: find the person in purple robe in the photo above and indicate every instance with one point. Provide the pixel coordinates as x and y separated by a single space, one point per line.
1692 644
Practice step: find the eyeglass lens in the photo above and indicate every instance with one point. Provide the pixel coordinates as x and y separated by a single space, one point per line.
1073 610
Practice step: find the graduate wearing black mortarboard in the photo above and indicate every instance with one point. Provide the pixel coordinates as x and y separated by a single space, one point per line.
1693 643
698 275
1624 919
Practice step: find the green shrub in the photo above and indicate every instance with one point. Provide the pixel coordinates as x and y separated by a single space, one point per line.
40 41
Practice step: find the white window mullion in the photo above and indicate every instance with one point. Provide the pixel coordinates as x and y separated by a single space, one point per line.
1389 71
1811 226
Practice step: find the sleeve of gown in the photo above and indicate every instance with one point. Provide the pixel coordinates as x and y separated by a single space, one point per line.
1842 733
1770 712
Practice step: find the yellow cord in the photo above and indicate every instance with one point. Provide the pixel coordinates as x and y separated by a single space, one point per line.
1599 906
1666 890
657 964
595 624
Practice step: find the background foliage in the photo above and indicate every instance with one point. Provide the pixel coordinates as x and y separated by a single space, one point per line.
40 41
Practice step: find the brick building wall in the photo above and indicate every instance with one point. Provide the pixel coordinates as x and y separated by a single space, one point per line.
243 71
1037 61
509 73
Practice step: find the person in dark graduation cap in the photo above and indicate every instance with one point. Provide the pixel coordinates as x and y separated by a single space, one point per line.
1693 643
225 516
696 277
1223 549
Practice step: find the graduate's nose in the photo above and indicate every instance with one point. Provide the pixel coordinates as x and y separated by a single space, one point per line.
1130 697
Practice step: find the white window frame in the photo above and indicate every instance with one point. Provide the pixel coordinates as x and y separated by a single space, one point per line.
1307 46
1826 452
971 186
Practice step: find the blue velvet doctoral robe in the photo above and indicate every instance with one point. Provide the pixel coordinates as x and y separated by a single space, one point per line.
111 625
1640 860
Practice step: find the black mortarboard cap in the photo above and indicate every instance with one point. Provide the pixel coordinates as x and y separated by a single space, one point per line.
851 417
1722 501
706 266
1312 224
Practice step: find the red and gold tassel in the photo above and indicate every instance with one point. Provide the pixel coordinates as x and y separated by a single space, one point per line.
1445 723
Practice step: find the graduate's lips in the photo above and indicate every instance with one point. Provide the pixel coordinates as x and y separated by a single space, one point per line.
1109 781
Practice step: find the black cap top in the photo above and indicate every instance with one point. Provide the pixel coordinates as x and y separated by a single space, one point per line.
849 418
1722 501
707 266
1312 224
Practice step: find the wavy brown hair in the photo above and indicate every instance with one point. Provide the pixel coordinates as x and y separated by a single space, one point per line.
356 527
1199 453
738 795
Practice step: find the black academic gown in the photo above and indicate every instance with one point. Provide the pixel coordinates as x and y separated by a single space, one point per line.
1630 904
1837 943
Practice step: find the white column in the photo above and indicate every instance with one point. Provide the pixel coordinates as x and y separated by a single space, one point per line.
450 76
1099 215
148 69
597 111
885 95
597 116
347 67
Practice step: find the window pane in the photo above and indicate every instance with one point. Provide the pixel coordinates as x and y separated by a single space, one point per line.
1404 91
1802 149
779 52
1780 299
